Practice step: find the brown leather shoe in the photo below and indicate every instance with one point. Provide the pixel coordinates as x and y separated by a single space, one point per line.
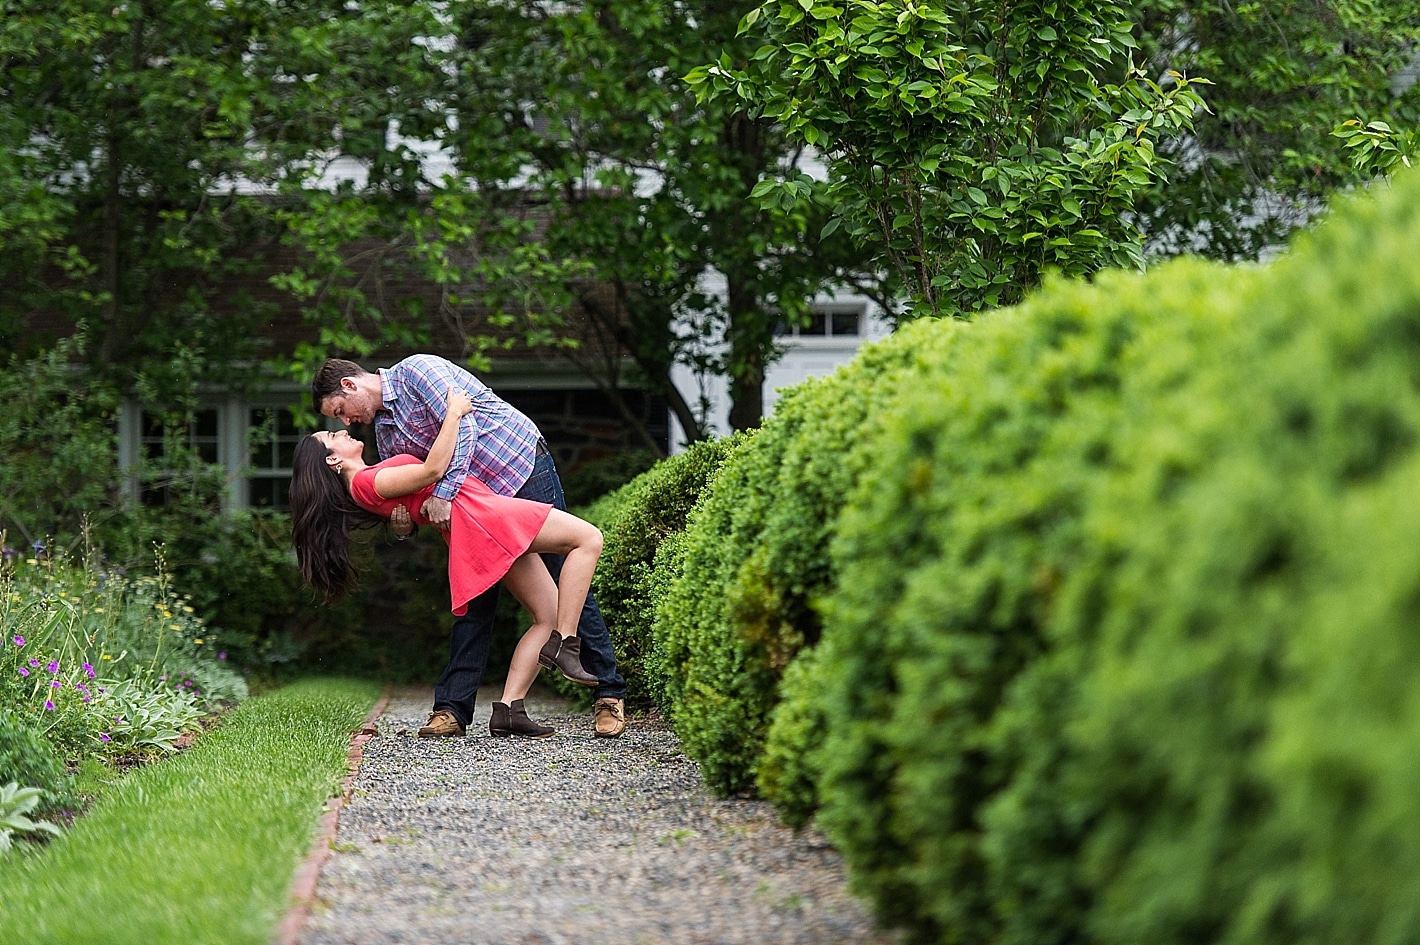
609 717
512 719
441 724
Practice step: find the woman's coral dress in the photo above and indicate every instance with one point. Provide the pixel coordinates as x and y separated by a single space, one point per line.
487 532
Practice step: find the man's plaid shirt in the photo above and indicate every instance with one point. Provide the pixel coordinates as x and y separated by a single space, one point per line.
498 447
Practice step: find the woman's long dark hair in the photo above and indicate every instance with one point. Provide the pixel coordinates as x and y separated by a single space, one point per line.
323 517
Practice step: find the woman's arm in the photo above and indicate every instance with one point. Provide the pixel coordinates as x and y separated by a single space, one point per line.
394 481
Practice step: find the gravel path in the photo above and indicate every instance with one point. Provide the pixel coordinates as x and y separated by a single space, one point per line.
570 839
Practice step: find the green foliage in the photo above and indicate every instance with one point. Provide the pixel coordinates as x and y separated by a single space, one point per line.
1119 642
951 555
1261 161
27 758
101 664
635 521
1375 147
973 145
755 555
219 825
1267 711
15 803
592 480
124 191
57 439
645 194
788 770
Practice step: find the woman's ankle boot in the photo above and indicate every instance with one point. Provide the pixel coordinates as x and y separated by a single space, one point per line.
564 654
513 720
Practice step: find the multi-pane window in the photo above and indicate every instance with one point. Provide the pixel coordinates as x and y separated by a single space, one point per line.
159 442
233 448
271 442
825 324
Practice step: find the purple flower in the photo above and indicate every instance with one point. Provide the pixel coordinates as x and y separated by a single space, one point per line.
34 663
101 689
82 688
56 684
103 737
24 672
7 552
87 699
222 655
88 670
19 640
53 666
38 547
48 706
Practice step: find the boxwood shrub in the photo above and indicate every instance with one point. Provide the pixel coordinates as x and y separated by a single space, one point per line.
1124 629
755 556
635 519
1239 751
950 556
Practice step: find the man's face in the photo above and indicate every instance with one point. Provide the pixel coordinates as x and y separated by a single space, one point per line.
352 405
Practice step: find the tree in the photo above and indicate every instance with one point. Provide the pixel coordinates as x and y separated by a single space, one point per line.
133 135
1284 75
972 142
642 193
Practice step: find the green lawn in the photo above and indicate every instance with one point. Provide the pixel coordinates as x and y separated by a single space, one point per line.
199 848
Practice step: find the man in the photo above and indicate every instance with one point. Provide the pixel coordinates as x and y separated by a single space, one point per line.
503 448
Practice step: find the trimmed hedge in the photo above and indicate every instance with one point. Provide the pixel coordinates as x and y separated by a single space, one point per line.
953 556
754 556
635 520
1095 620
1125 633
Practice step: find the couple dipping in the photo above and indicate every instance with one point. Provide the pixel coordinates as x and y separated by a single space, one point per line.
487 481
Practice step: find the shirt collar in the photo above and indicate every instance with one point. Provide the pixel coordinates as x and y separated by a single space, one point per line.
388 392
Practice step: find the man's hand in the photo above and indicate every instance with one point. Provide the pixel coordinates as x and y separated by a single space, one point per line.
438 511
400 522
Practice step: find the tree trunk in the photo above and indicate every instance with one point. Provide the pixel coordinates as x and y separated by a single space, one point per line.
746 357
688 424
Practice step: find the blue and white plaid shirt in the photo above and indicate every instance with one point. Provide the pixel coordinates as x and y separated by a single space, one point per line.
499 446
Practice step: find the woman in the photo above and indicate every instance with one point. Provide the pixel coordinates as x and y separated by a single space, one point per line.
490 537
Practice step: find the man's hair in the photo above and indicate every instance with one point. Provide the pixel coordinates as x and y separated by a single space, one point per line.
326 383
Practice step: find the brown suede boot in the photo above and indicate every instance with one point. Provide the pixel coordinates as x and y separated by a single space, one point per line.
564 654
513 720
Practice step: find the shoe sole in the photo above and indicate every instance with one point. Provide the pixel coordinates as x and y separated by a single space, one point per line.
424 734
522 735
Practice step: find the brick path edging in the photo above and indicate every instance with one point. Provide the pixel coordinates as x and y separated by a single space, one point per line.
303 885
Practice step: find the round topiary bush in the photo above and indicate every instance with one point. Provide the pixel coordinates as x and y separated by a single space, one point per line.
1236 749
1122 643
755 555
950 556
635 520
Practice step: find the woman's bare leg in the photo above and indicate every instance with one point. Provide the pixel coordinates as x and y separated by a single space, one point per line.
580 544
532 586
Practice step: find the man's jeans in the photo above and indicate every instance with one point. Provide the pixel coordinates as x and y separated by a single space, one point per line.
472 633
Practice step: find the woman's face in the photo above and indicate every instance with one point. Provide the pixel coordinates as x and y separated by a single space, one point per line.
341 443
